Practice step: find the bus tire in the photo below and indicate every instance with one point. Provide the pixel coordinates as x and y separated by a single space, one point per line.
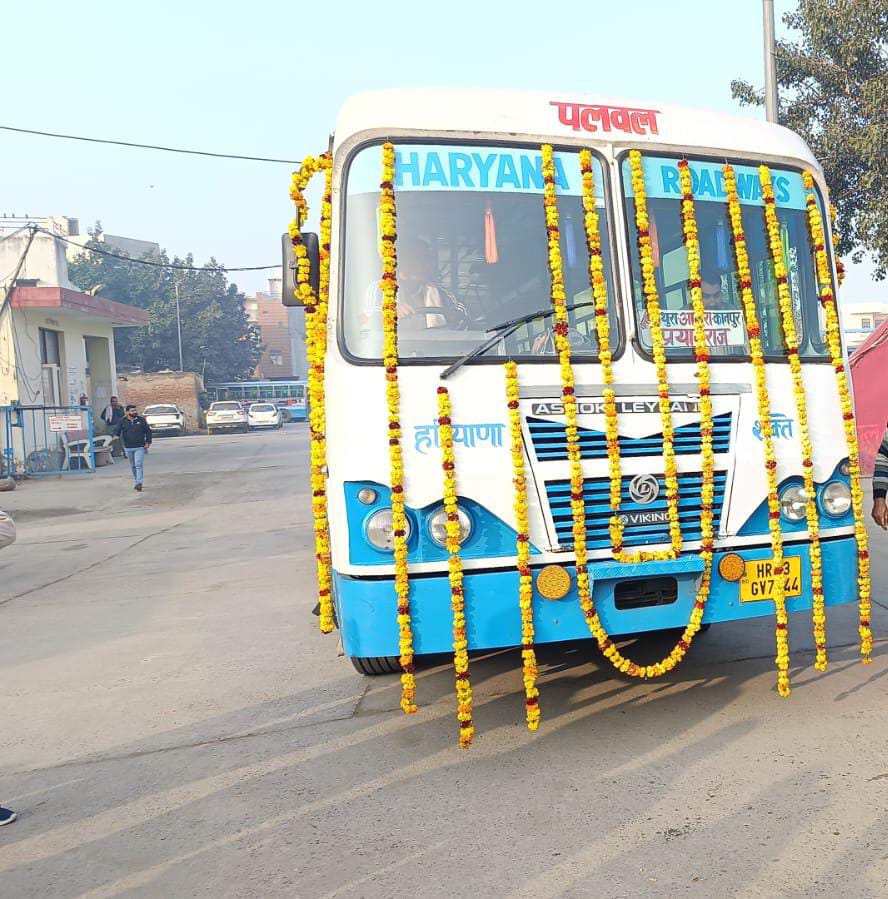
374 665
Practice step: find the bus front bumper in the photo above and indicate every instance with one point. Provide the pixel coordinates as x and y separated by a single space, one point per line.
366 607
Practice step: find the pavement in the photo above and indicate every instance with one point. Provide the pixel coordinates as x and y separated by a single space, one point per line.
173 724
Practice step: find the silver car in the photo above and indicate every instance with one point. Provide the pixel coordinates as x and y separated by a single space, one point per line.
165 418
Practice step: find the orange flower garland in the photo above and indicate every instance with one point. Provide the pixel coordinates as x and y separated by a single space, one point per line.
834 340
605 644
389 287
455 574
791 340
316 350
525 578
753 331
649 286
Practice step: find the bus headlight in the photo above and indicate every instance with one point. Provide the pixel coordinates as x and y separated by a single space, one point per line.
836 499
438 526
381 529
792 503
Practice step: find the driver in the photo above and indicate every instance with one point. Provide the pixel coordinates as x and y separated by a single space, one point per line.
419 290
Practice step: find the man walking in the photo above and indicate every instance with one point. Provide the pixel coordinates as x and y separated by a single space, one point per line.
7 536
135 435
880 485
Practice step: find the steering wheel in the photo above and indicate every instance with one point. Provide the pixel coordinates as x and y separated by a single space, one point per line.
455 318
544 344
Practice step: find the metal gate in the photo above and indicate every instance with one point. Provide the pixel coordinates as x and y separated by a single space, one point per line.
36 441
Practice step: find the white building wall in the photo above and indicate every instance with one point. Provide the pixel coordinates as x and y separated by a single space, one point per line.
20 349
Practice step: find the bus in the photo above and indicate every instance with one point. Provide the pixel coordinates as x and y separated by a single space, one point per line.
289 396
617 490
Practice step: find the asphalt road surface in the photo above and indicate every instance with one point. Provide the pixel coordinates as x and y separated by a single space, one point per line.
173 724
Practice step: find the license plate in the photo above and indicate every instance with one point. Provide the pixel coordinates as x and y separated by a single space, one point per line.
759 583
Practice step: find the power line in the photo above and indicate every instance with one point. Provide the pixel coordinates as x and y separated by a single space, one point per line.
126 143
171 265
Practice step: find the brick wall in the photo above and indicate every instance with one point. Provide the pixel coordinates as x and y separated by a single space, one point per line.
179 388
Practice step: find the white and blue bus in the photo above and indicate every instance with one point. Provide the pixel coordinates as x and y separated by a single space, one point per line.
288 395
472 244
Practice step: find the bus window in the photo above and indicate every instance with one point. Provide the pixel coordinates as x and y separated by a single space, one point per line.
721 295
471 242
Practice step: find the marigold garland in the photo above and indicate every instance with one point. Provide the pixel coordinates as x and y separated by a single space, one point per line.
605 644
840 266
753 331
455 574
389 288
649 287
834 341
791 341
316 351
522 542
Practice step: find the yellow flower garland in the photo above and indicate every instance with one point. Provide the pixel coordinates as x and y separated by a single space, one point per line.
791 341
834 340
610 651
753 331
840 266
455 574
389 287
316 351
525 578
649 287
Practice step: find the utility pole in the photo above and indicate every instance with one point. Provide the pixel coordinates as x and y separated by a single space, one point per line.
770 62
179 325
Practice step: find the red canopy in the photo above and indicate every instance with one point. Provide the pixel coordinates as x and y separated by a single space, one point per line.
869 374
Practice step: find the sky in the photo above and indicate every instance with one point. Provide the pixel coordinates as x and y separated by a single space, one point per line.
267 78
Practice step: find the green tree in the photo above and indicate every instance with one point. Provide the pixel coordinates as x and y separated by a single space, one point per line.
833 82
217 339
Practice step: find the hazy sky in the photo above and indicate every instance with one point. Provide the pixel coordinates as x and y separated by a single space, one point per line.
266 78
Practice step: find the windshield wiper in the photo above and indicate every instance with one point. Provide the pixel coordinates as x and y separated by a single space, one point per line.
501 332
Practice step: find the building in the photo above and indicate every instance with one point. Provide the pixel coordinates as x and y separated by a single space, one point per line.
860 320
56 342
281 331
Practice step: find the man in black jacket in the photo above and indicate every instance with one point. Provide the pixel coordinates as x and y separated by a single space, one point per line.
135 435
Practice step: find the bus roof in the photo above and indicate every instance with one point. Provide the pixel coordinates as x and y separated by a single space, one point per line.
562 117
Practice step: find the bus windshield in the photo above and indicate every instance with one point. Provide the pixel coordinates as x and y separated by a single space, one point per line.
472 244
725 328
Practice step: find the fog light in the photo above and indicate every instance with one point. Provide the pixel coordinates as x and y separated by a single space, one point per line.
731 567
845 468
367 496
553 582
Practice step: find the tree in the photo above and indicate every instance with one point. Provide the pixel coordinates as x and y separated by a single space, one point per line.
834 92
217 339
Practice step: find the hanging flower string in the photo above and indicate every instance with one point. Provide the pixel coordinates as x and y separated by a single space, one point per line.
840 266
316 350
455 574
791 341
587 604
649 286
753 331
834 341
525 579
389 288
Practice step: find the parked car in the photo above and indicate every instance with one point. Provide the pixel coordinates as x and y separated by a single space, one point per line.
265 415
165 418
226 415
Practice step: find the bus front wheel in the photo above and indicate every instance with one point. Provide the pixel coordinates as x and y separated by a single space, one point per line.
373 665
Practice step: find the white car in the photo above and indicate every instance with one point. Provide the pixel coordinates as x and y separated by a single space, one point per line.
164 418
265 415
226 415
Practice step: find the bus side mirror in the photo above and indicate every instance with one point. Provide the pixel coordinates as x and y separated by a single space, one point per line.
313 248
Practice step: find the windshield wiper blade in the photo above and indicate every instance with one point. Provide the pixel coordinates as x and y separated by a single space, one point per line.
501 331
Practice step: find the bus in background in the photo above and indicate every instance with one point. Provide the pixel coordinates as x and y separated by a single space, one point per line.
475 290
289 396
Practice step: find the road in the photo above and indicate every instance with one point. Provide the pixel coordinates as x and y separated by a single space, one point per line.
173 724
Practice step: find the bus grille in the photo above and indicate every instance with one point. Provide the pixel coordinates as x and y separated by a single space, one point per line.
643 524
550 442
